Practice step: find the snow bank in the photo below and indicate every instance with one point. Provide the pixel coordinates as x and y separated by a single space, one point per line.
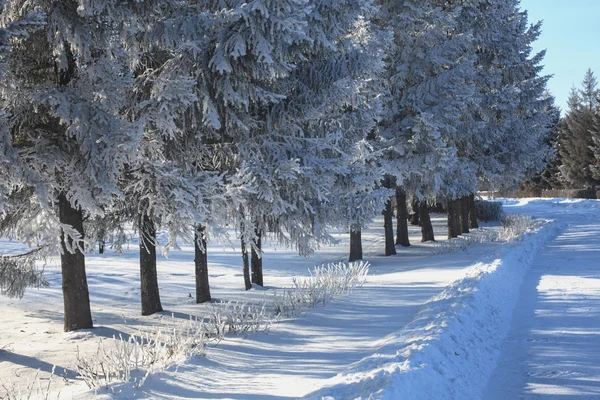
553 202
450 349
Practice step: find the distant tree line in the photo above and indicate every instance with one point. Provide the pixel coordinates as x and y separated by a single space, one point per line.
575 139
241 120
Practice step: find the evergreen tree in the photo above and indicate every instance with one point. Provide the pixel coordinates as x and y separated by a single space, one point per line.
307 160
550 177
576 136
430 77
507 123
65 140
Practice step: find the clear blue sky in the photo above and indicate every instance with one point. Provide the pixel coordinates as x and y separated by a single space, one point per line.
571 37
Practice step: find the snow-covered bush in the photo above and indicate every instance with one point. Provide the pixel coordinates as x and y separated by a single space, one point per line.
515 225
488 210
324 283
450 246
476 236
135 358
33 389
236 317
513 228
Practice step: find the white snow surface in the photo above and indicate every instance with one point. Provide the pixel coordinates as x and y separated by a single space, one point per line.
450 348
553 346
424 326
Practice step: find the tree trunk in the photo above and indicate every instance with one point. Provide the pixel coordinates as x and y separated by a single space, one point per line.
388 218
401 219
201 264
256 260
76 296
457 224
148 274
472 212
452 225
388 224
101 238
246 266
355 245
414 217
426 227
464 214
245 258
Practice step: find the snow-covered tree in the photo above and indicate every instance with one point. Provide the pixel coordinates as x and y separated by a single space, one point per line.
577 131
207 101
65 145
305 146
429 78
511 118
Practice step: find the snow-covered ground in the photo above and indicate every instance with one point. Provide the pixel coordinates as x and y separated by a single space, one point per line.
552 350
425 325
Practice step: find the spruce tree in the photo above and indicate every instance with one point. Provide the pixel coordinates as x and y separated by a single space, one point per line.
429 78
577 130
69 154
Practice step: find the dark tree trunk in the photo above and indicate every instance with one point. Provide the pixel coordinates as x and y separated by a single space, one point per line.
388 221
457 224
148 274
426 227
452 225
101 238
401 219
472 212
76 296
355 245
464 214
388 225
201 264
256 259
245 257
246 266
414 217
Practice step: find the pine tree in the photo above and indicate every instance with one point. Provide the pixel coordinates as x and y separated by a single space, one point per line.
306 159
17 272
512 111
69 154
550 177
576 136
595 147
429 78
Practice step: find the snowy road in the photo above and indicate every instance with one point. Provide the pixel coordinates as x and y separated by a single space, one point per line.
553 348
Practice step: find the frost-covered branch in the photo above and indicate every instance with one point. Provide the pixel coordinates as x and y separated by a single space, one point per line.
18 272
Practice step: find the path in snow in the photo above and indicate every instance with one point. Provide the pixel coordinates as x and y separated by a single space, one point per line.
552 350
295 358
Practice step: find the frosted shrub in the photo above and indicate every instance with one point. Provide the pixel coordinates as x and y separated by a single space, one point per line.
450 246
324 283
135 358
489 210
237 317
33 389
513 228
476 236
515 225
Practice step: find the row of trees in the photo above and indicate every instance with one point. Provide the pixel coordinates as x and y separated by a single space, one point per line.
576 141
277 117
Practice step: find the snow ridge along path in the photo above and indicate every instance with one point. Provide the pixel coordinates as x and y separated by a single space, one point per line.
450 349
